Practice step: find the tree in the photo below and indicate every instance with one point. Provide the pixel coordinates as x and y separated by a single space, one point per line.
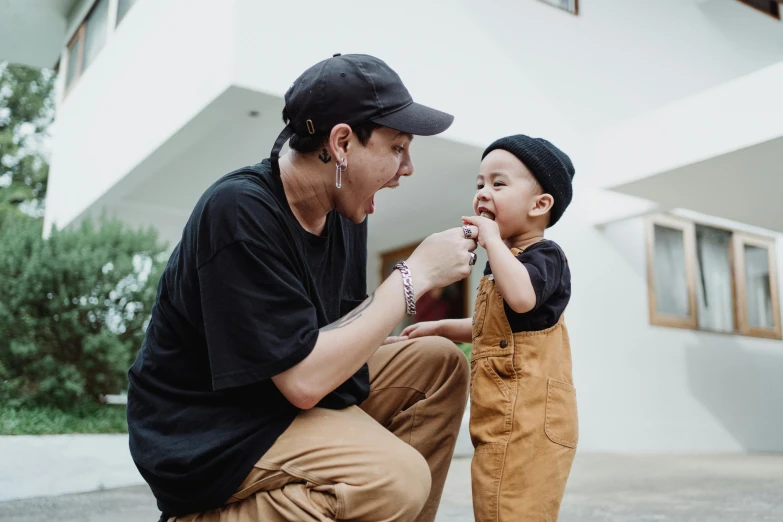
26 111
73 309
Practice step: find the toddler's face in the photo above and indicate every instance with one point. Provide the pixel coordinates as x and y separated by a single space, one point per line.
507 192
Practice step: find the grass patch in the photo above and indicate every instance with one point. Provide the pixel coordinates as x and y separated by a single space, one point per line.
466 348
109 418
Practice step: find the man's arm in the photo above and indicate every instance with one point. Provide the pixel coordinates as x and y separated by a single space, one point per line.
345 345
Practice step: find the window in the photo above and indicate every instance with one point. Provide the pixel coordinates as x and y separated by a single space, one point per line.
770 7
95 31
450 302
87 42
572 6
757 287
671 278
123 6
715 308
711 279
75 50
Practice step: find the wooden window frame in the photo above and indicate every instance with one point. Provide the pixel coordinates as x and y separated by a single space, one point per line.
80 35
775 15
737 267
739 240
402 253
77 39
575 12
688 229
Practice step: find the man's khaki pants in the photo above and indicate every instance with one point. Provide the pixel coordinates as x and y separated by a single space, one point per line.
385 461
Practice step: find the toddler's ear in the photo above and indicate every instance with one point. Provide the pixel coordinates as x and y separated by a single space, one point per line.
542 205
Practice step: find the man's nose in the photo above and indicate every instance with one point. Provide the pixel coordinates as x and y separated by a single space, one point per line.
406 167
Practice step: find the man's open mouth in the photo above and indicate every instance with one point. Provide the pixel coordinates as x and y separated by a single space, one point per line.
371 202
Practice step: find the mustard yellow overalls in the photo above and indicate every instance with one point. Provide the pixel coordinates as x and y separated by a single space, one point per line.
523 415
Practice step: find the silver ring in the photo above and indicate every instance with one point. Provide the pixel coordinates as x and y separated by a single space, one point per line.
467 231
473 258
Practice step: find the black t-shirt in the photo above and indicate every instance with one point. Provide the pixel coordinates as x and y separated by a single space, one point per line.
548 268
242 299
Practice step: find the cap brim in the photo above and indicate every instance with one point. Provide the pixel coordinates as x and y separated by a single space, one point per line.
417 119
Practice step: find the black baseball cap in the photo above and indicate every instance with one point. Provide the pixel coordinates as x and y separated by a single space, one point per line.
352 89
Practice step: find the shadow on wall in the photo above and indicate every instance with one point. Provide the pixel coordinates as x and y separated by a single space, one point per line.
628 238
742 387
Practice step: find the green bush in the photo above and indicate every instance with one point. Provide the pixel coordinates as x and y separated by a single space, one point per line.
73 309
47 420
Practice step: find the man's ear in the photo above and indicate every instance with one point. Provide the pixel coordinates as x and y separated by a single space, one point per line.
339 139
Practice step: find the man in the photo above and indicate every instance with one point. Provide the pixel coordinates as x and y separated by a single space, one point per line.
263 389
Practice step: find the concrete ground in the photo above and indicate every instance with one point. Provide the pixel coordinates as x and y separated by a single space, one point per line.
74 464
605 488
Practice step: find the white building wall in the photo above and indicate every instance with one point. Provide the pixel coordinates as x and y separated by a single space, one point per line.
445 58
503 68
738 114
621 58
616 60
165 63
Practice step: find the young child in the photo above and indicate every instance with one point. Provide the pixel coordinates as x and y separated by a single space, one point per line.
523 418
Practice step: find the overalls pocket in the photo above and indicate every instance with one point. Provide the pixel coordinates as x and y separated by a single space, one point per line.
561 424
490 400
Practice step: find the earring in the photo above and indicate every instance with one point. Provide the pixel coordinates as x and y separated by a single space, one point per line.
339 169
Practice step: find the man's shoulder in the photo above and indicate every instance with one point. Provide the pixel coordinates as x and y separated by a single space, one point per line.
234 208
249 191
253 180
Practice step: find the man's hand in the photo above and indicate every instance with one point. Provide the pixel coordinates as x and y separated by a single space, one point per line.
425 329
488 231
441 259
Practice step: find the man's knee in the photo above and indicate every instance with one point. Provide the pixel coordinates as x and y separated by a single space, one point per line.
442 353
406 485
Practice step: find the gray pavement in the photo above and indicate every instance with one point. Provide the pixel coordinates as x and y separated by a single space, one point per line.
605 488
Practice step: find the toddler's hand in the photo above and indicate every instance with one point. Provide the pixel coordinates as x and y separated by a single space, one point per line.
394 339
488 229
424 329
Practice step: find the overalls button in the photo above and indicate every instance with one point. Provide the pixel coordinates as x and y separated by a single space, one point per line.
503 343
